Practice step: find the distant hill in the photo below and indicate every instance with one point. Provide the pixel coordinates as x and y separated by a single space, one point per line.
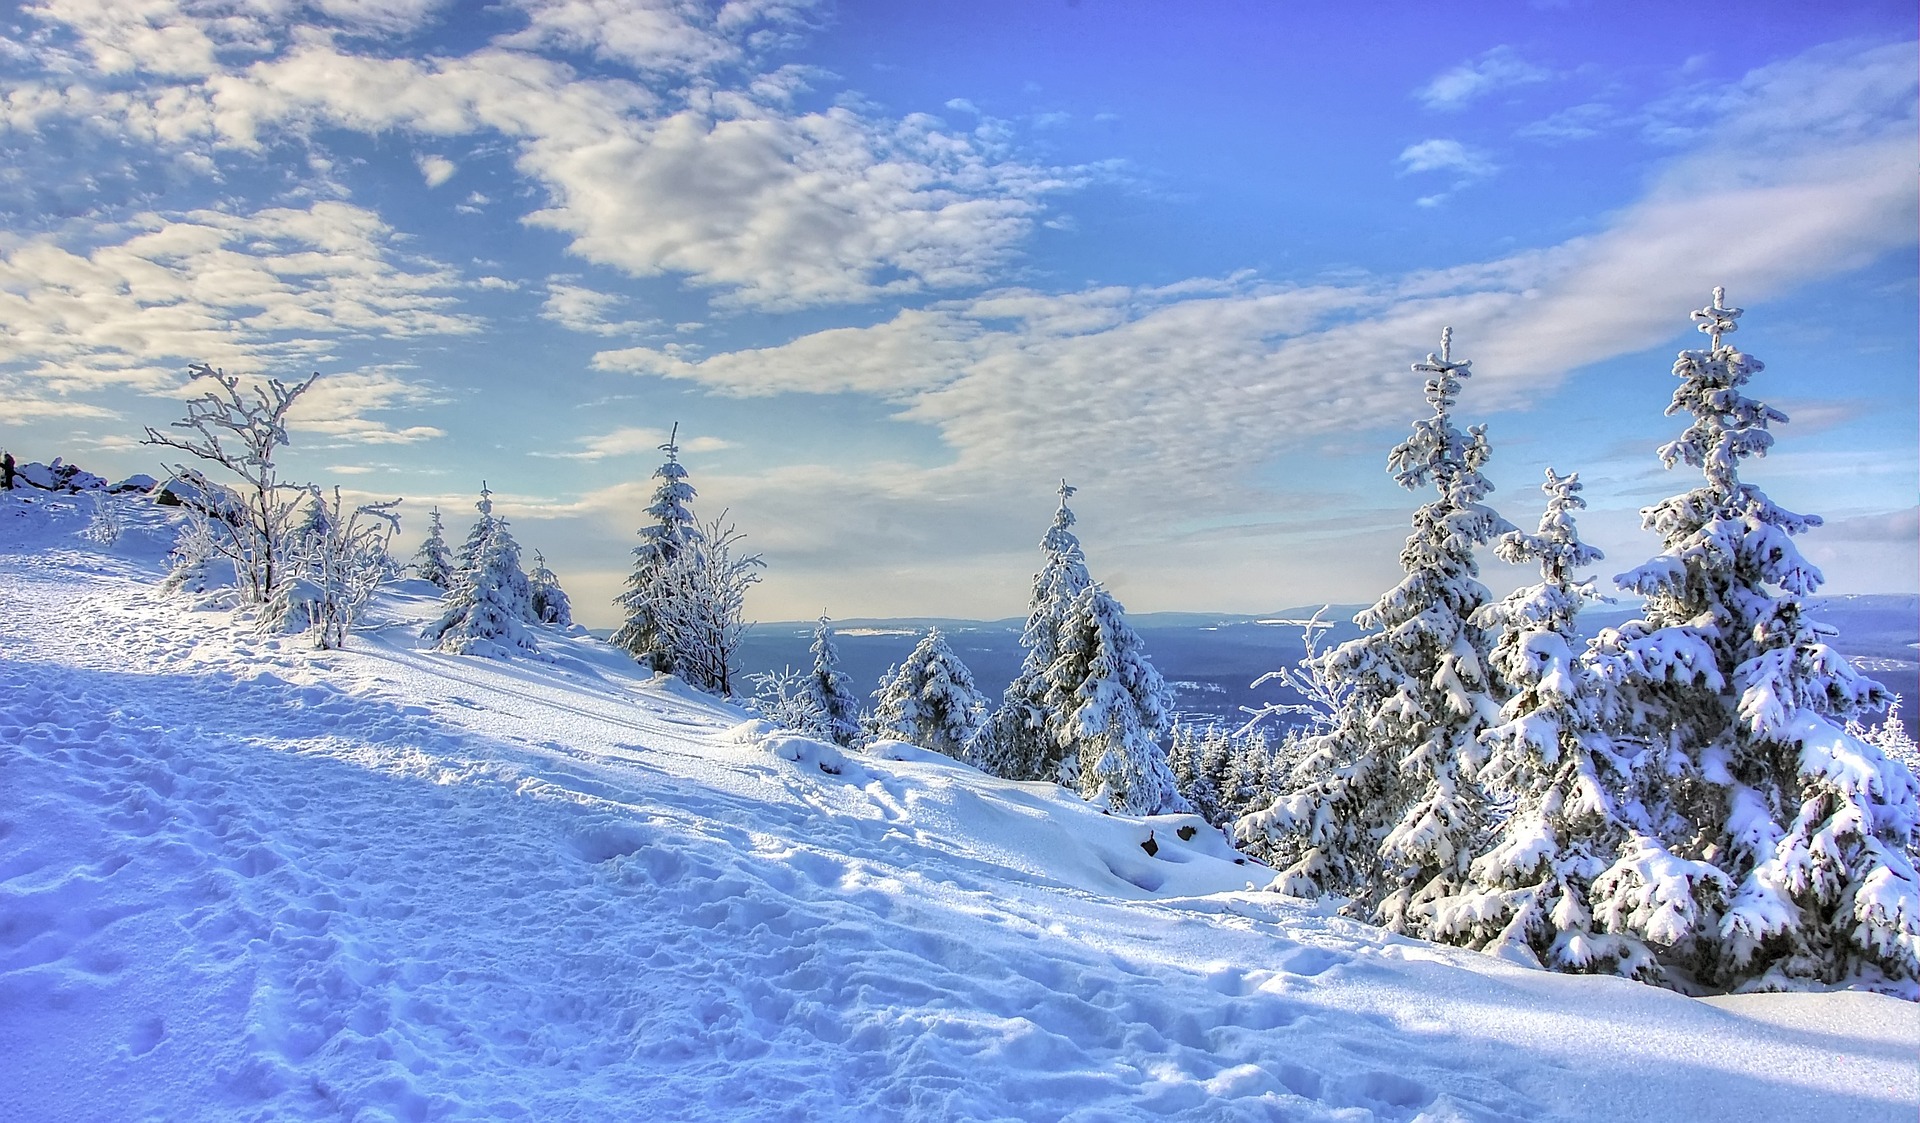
1212 658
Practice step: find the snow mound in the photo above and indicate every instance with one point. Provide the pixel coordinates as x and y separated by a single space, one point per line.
242 879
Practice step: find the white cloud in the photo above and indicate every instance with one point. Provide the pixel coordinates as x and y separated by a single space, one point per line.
339 406
436 170
1440 155
581 309
658 35
913 351
1212 380
1499 69
385 18
729 188
258 292
1576 122
159 37
634 441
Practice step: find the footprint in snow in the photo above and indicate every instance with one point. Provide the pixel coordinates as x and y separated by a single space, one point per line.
146 1036
1308 962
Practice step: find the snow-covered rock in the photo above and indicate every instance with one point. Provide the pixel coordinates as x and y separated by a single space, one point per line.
58 476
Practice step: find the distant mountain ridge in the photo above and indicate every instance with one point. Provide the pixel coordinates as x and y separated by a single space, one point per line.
1212 658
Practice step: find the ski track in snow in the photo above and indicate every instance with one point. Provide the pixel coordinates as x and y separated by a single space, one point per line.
244 880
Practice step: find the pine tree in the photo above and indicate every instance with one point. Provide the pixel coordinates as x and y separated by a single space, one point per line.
1183 758
1804 827
673 529
490 603
1246 784
1212 776
1551 757
1389 815
1113 709
1890 736
930 700
546 600
482 529
1021 736
831 691
432 563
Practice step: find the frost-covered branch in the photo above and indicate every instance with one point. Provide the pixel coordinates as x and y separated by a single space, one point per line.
695 602
239 430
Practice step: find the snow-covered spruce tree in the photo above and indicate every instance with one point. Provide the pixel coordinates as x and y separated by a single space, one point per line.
239 431
487 609
1246 786
546 600
1890 736
695 604
1183 759
1212 762
1744 705
831 690
662 541
1113 708
1387 813
432 563
930 700
1568 784
1020 739
1893 740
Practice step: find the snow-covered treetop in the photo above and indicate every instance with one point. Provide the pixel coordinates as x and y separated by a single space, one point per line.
1438 557
1557 546
670 498
1062 577
1728 426
1726 518
1063 548
482 530
1552 604
1437 452
825 653
673 523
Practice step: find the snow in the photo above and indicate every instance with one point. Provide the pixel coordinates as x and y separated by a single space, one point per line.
244 879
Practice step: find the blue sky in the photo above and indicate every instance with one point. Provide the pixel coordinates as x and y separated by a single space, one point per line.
897 268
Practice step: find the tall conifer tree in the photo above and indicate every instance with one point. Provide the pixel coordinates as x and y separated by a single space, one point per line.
1569 784
1793 833
1389 814
1112 709
1016 743
672 530
432 563
830 691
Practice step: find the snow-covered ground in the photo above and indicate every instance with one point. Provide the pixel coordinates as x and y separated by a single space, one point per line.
240 879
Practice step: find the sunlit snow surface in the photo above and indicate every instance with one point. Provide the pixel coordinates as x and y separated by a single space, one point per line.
243 880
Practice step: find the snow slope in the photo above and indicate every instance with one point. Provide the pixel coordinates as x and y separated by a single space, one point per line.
240 879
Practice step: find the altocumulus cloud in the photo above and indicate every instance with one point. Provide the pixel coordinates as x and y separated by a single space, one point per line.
728 186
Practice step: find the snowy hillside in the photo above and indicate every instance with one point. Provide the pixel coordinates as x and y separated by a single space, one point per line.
240 879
